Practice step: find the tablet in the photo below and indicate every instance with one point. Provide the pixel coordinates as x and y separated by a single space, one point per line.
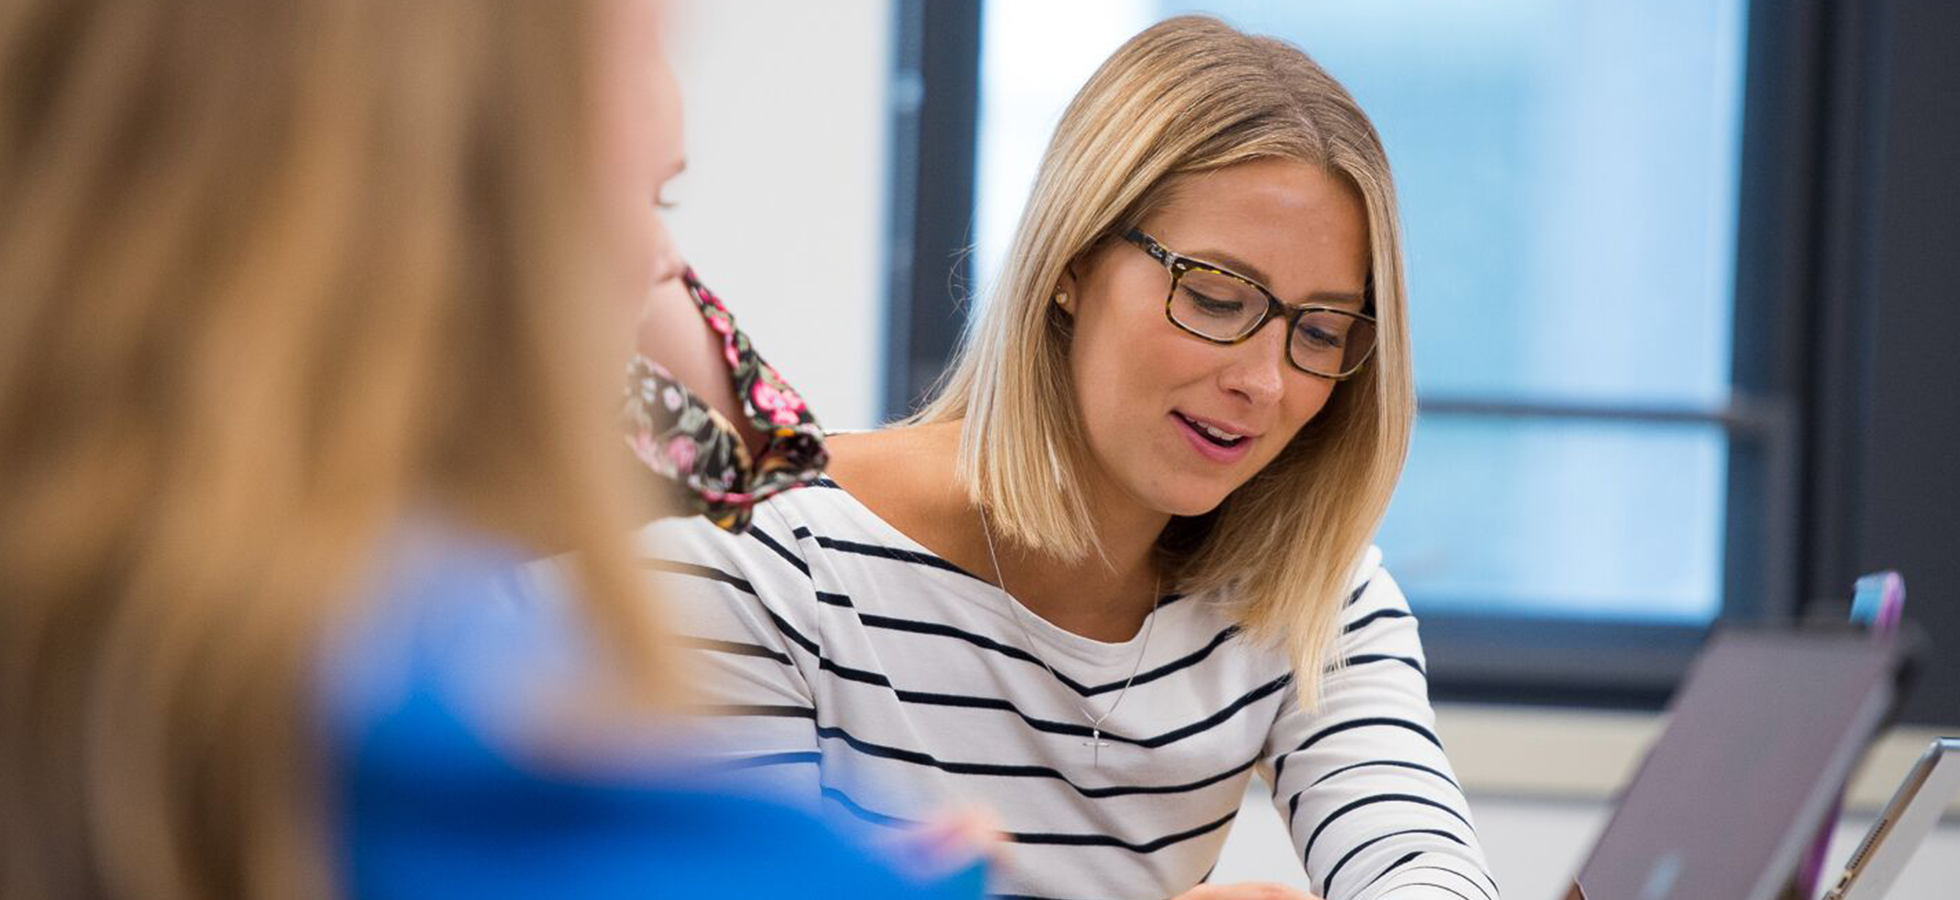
1903 824
1760 737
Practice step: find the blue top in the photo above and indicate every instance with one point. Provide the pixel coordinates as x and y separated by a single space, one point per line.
416 696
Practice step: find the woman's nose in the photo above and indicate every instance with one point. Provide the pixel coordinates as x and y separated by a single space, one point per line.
1257 370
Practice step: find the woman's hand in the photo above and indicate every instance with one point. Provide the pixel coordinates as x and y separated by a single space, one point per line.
949 842
1245 890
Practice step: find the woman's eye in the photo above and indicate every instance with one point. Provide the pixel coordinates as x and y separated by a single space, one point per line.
1215 307
1319 338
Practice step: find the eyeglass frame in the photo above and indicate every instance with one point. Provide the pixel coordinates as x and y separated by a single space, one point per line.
1178 264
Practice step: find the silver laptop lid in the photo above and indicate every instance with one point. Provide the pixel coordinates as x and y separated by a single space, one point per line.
1760 736
1903 824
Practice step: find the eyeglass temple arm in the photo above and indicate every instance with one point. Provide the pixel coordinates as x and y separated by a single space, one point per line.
1149 245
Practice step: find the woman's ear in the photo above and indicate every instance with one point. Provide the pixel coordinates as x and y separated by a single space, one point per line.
1065 296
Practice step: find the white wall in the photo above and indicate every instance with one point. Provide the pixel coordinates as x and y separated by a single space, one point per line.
783 206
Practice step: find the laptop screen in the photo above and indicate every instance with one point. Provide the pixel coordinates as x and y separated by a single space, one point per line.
1760 738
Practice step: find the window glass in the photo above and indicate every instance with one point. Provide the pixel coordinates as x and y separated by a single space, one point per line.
1567 173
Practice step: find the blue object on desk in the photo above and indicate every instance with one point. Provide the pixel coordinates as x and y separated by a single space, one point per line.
1878 600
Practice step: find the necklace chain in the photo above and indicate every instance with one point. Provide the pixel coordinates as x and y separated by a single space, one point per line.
1095 722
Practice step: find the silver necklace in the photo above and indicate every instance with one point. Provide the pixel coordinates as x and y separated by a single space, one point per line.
1095 742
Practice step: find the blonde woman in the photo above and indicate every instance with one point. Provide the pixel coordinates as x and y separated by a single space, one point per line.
1123 561
311 321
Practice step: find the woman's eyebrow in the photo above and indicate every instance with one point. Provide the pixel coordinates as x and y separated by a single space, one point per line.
1237 265
1346 300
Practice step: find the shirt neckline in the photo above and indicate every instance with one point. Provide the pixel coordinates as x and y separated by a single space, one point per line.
997 601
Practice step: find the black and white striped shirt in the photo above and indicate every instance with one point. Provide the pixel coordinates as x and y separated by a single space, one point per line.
860 673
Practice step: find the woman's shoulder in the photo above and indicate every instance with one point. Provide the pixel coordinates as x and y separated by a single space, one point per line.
906 480
782 553
871 528
1368 582
1372 592
897 470
1367 569
784 525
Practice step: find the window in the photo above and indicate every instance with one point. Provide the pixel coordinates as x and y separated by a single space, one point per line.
1608 456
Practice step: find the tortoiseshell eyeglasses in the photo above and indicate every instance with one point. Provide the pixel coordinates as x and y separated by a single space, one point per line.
1224 307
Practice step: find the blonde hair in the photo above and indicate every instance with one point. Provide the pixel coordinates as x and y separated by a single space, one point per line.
1187 95
273 276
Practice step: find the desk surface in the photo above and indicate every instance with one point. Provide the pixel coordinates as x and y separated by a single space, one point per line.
1588 755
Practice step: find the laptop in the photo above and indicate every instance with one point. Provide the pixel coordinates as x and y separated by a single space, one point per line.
1903 824
1760 738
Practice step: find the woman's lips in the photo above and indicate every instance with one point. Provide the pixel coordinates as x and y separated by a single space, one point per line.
1209 448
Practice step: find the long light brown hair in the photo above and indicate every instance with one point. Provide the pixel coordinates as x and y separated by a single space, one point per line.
1189 95
272 277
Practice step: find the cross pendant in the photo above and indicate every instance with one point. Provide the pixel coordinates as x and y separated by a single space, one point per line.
1095 740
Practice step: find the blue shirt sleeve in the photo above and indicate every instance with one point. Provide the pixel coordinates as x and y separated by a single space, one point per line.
428 806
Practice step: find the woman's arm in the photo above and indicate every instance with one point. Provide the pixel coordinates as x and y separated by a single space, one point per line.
1362 782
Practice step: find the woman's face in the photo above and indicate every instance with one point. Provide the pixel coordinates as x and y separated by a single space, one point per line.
1147 390
640 145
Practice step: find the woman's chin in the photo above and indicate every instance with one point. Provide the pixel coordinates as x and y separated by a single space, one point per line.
1173 491
1189 503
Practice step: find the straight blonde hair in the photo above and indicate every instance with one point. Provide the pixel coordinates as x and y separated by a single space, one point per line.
273 277
1188 95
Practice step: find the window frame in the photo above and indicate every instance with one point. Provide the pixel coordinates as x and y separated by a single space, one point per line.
1799 370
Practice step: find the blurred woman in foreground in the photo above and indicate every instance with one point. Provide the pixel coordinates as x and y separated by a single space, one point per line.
311 314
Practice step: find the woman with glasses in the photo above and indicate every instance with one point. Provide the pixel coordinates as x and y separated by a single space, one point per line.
1123 561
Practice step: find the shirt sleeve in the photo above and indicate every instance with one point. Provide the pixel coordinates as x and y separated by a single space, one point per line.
440 791
742 610
696 454
1362 781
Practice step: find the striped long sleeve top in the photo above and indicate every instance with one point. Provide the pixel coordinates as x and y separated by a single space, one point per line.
855 671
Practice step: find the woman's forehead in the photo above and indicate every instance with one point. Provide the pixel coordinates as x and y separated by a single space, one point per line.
1290 225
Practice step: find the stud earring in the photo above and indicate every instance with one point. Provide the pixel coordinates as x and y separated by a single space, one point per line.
1061 298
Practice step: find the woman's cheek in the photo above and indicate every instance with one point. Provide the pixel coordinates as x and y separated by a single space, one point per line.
633 234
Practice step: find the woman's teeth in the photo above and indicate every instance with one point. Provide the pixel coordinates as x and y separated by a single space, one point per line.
1220 436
